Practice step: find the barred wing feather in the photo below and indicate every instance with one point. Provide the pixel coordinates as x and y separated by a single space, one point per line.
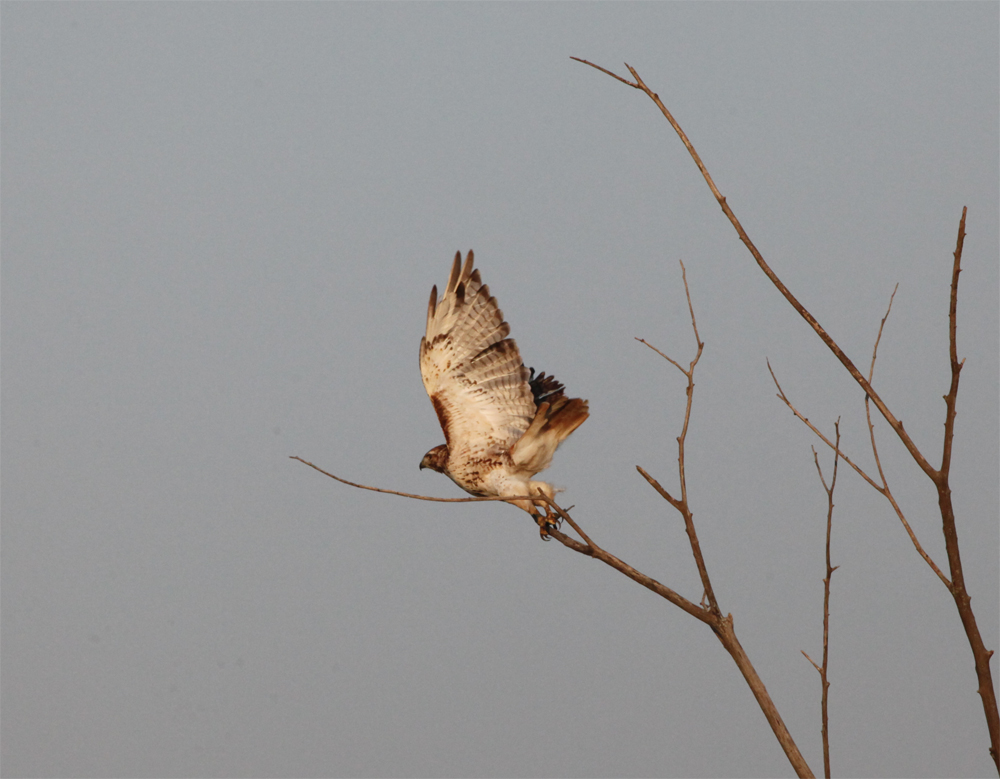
472 372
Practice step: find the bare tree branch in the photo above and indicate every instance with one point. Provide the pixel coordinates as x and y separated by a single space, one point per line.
938 476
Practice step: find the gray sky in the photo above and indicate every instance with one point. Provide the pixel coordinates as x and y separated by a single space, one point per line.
220 225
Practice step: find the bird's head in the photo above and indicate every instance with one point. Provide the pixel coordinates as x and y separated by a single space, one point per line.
436 459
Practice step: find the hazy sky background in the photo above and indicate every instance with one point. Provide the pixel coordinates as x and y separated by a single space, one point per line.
221 223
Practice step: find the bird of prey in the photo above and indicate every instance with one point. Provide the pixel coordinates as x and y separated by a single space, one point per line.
501 422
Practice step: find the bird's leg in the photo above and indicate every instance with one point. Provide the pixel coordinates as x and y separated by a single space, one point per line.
546 521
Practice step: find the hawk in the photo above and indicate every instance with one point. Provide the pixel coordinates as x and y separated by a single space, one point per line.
501 422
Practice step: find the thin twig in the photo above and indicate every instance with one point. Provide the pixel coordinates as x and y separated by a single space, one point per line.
603 70
806 656
417 497
669 359
885 490
830 568
878 338
868 415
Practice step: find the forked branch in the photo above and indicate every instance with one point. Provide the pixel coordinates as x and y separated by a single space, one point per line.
721 625
682 504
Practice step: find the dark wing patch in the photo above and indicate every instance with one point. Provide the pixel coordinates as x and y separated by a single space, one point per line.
544 388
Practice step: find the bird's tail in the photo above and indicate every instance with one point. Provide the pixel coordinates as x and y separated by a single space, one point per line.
555 419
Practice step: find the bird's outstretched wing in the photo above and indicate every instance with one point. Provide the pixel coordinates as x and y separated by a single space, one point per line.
472 371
